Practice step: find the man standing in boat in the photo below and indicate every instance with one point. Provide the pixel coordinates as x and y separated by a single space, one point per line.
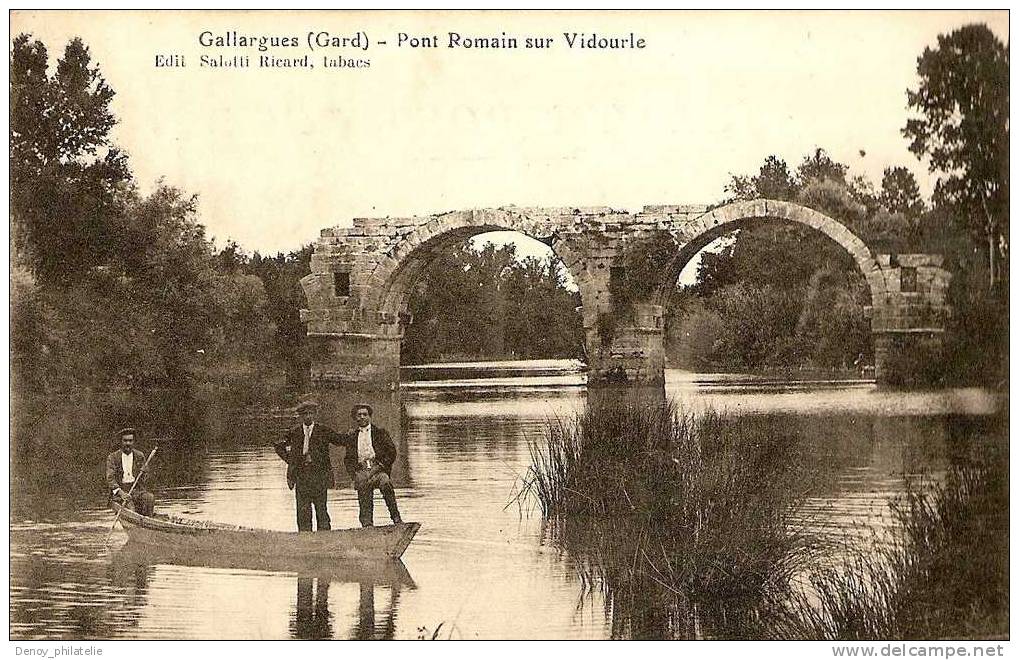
124 475
369 457
305 448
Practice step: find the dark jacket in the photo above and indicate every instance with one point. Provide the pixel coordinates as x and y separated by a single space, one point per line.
115 470
385 449
317 471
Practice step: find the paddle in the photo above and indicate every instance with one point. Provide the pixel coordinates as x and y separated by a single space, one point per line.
131 490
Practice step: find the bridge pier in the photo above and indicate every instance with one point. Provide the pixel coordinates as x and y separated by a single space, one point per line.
908 318
627 351
362 275
355 361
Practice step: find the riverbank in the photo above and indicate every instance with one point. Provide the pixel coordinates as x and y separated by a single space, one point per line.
697 525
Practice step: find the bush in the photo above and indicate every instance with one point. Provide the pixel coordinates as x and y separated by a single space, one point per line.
916 362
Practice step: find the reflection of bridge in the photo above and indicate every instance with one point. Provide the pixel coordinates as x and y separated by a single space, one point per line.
361 277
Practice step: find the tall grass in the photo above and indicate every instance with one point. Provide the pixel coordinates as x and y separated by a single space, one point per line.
671 513
693 525
944 575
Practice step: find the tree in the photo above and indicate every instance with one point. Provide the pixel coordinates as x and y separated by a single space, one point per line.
281 276
112 289
693 333
900 192
31 317
962 101
62 117
65 175
486 303
773 181
753 322
832 328
819 166
163 266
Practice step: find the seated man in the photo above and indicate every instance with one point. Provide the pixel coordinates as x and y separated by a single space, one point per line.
125 478
369 457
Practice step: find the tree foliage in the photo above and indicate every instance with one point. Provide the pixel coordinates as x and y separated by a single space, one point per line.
962 127
778 295
281 277
65 175
113 289
900 192
488 303
641 267
961 124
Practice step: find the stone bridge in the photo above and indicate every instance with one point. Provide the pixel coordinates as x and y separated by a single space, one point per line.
361 277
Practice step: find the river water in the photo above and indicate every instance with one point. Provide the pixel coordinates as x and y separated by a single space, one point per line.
480 567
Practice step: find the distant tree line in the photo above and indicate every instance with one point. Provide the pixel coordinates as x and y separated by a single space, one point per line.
115 289
112 289
487 302
787 297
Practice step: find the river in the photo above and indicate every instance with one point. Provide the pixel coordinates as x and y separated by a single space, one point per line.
480 567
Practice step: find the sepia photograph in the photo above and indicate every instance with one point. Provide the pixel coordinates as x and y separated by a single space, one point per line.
450 325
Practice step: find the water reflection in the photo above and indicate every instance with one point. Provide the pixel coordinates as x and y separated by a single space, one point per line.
480 567
311 618
135 566
72 436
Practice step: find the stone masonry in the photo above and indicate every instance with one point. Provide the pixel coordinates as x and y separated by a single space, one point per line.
361 277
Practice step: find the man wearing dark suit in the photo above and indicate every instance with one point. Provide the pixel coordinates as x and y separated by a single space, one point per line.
124 475
369 456
305 448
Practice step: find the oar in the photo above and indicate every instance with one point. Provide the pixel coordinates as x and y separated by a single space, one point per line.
131 490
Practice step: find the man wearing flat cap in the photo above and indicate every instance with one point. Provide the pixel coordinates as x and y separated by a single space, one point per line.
305 448
124 475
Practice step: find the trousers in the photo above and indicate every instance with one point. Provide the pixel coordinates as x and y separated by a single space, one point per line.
307 499
142 501
366 483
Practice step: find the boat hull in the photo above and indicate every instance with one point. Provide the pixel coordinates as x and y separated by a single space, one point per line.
374 572
184 535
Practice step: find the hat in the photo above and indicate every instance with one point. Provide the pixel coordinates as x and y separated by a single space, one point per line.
126 432
307 404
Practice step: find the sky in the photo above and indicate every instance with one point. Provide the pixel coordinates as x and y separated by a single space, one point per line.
275 155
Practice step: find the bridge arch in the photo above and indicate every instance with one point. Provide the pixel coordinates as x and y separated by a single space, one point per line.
697 234
362 274
389 284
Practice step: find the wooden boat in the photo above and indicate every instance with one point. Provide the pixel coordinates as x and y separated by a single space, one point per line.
186 534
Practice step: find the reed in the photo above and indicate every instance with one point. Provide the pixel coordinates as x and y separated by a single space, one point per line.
694 525
670 512
943 575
